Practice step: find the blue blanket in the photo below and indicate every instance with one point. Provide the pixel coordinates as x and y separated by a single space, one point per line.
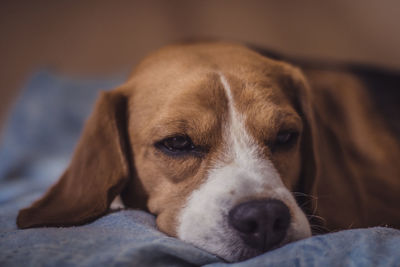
36 146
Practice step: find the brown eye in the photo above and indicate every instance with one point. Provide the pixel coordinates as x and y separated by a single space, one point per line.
284 137
176 145
285 140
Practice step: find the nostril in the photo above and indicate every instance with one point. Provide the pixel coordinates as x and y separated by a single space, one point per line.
251 226
243 220
279 224
261 224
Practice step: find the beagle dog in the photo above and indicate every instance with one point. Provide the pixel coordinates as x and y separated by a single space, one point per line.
234 152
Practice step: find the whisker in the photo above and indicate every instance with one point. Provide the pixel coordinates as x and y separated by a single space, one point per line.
304 195
315 217
305 204
315 207
312 217
319 230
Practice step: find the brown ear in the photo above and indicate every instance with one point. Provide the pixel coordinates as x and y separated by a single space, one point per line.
300 92
97 173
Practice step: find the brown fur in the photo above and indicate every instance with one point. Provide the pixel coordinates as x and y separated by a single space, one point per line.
345 156
97 173
359 176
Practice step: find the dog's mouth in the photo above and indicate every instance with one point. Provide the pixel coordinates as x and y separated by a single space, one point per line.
241 217
246 252
249 229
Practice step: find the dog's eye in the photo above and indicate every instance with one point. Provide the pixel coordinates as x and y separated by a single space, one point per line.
285 140
176 145
284 137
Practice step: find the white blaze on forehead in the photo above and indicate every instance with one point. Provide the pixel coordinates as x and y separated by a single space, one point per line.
240 174
239 143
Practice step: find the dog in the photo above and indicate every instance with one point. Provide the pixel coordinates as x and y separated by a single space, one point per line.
234 152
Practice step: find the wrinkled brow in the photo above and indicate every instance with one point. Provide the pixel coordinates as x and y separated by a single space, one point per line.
170 127
199 127
288 120
266 123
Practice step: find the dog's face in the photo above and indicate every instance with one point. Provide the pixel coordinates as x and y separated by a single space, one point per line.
218 132
213 143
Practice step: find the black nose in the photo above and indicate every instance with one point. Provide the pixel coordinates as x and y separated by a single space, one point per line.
262 224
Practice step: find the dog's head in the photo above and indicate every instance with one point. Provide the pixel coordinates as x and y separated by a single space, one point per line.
211 138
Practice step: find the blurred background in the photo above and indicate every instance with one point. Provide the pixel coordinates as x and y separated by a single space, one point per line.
95 38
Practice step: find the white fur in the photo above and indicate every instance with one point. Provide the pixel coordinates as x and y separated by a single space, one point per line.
241 173
117 203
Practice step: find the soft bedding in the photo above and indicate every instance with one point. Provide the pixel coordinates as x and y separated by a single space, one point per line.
36 145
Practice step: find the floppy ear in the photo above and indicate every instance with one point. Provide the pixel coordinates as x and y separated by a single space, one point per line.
299 91
99 169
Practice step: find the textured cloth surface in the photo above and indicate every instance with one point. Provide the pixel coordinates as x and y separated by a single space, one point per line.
35 148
